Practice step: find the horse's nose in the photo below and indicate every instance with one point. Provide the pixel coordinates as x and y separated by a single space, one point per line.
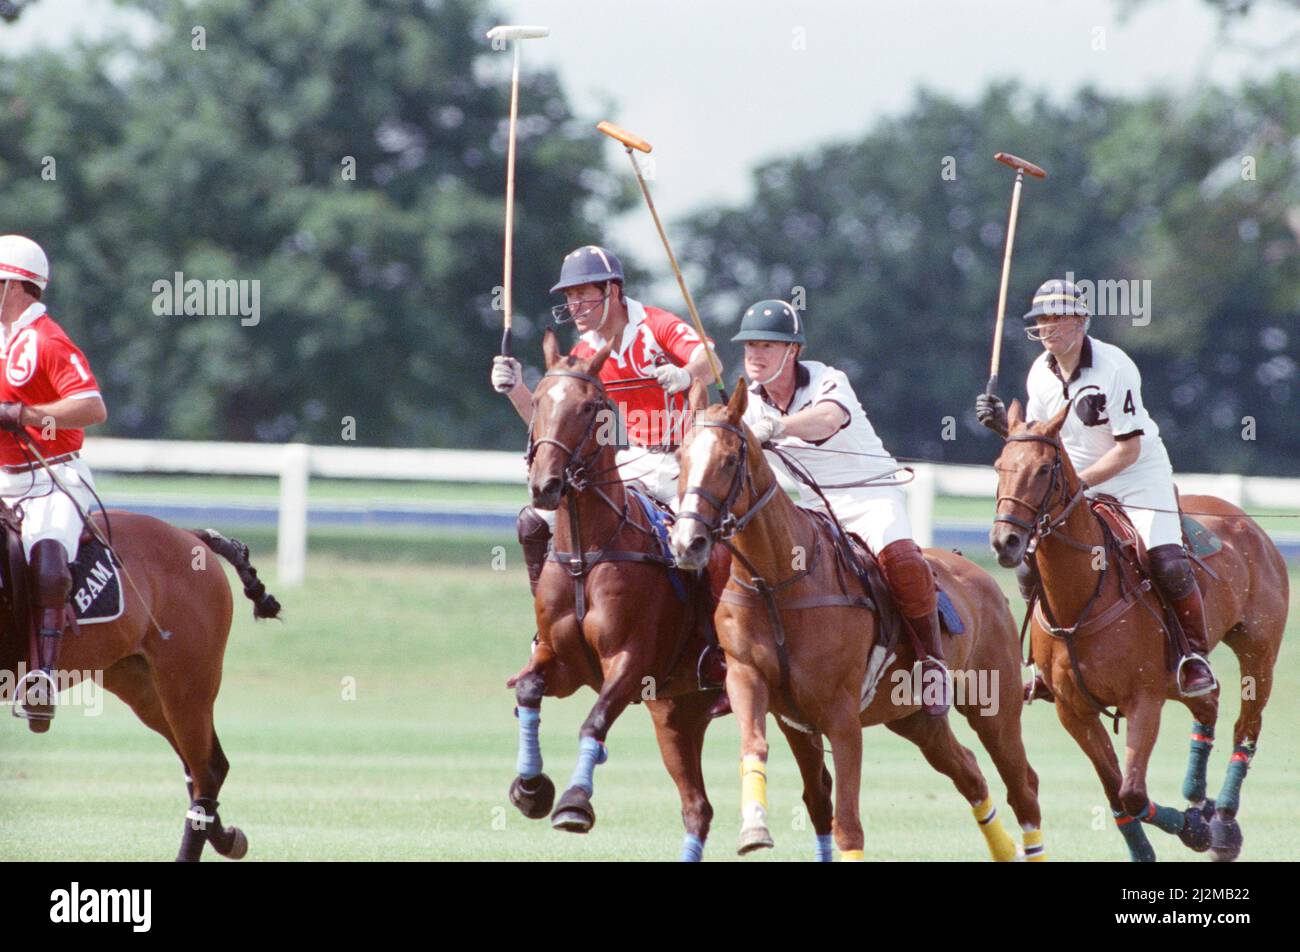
1007 547
547 496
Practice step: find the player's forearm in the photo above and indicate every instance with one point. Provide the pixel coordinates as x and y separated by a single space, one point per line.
815 423
69 413
698 366
521 398
1117 459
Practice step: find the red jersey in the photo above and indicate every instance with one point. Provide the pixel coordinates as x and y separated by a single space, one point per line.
41 364
652 337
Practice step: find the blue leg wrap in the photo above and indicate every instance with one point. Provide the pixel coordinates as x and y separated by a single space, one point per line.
1139 847
529 763
823 848
1197 757
590 753
692 849
1229 800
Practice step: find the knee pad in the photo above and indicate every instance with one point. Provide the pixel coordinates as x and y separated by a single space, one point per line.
909 578
532 527
1172 570
51 578
1027 578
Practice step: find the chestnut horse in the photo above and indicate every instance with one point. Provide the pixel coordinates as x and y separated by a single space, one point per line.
806 655
1119 648
163 655
608 615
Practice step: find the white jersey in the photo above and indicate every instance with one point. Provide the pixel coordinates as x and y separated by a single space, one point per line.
1106 389
858 453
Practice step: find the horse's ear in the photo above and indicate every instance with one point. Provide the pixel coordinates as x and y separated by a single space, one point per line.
697 399
1054 425
550 348
1015 415
738 402
598 361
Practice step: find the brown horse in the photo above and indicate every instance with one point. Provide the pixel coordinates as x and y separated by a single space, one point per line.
806 652
163 655
608 614
1119 648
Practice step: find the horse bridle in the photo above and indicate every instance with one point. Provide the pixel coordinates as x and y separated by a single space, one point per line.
574 476
1044 524
723 524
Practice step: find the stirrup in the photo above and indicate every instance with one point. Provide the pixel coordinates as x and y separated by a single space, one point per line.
1178 676
20 708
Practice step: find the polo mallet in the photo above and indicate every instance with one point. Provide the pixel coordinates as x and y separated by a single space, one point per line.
629 143
515 33
1021 166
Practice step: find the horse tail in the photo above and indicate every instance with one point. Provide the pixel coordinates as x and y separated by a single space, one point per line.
236 553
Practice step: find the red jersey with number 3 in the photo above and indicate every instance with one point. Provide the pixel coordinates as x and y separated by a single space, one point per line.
41 364
652 337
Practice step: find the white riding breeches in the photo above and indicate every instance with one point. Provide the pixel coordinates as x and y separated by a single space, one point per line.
47 513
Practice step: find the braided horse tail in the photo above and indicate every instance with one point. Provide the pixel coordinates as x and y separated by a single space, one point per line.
236 553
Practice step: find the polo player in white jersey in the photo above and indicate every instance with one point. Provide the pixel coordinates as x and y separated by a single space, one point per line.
810 411
1116 449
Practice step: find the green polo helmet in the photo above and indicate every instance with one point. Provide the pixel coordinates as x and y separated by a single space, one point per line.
771 320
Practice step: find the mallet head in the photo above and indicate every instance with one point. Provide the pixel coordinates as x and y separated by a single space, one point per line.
518 32
623 136
1020 165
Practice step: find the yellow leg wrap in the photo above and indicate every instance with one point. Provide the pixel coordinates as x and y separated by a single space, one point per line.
1001 845
852 856
753 788
1034 852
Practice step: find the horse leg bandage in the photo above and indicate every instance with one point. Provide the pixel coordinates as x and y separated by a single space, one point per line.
1230 795
1001 846
692 849
753 791
1163 818
1135 836
824 848
529 764
1034 851
591 752
1197 758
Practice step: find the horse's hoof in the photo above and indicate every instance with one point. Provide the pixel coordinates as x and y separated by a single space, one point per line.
39 725
1195 833
754 838
233 845
573 814
534 796
1225 838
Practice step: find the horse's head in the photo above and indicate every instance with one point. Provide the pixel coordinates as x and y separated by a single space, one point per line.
568 429
1034 476
715 457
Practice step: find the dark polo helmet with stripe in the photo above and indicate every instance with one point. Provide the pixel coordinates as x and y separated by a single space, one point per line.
589 264
771 320
1057 298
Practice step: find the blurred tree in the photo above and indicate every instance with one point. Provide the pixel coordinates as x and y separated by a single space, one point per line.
896 241
347 155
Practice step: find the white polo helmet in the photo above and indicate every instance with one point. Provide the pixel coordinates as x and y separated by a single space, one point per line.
22 259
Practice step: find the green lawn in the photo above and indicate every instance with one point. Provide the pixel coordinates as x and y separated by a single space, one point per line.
417 766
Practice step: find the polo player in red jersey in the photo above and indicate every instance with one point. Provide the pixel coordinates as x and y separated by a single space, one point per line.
48 393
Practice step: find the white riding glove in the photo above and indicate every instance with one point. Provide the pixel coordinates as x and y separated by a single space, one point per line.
768 428
506 373
673 379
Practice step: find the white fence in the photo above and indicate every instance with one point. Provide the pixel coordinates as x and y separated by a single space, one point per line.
295 463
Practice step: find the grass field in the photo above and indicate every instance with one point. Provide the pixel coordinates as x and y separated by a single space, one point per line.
416 767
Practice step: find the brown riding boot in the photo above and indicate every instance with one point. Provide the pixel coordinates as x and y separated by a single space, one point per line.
912 584
535 539
51 582
1194 675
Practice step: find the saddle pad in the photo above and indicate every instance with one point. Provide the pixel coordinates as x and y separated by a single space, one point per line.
948 616
661 521
1201 542
97 594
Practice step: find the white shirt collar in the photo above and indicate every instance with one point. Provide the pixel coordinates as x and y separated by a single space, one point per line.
25 319
635 317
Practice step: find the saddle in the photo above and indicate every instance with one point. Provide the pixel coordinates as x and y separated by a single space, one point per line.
1199 541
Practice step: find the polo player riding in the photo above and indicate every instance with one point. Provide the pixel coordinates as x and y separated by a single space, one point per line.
1117 450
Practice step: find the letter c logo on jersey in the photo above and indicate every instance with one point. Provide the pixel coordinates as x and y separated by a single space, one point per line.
22 358
1092 409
